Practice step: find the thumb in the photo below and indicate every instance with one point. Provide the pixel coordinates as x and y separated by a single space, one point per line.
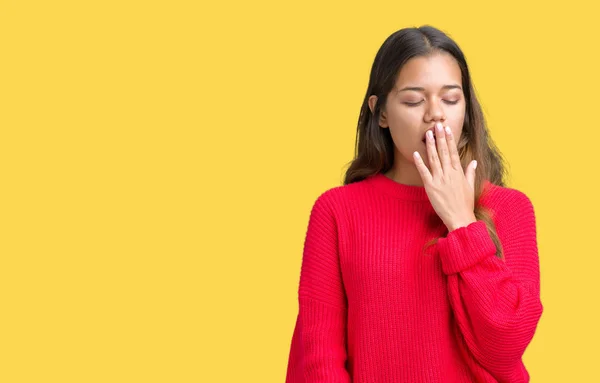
471 174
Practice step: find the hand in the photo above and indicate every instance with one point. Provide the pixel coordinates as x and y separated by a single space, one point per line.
449 188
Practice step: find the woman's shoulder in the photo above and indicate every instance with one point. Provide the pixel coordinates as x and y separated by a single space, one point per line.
344 193
340 199
505 198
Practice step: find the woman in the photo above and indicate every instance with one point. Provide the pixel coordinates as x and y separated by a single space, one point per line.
423 266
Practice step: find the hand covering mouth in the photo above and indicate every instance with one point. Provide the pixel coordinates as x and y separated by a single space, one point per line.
425 135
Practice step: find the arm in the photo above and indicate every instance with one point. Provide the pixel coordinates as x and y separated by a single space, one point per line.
318 350
496 302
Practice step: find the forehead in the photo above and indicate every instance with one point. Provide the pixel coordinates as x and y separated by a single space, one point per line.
431 72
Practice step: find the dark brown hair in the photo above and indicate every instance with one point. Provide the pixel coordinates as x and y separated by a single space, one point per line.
374 150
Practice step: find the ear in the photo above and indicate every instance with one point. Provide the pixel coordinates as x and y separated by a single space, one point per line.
382 116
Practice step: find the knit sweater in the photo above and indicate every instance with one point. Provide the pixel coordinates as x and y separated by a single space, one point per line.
376 306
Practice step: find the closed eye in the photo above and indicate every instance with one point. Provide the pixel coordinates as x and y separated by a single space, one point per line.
417 103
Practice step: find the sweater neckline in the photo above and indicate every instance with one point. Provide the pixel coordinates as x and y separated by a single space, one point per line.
407 192
398 190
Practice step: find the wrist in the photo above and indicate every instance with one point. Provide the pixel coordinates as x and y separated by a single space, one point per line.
462 223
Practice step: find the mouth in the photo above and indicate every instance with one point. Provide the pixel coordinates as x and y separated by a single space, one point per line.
424 140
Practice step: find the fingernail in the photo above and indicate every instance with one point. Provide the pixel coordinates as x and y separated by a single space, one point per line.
475 165
439 126
448 130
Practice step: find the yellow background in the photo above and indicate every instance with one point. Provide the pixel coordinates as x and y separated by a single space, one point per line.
158 162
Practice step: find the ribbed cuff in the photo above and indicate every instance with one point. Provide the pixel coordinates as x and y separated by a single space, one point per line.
464 247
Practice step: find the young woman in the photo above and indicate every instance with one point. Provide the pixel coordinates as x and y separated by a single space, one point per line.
423 266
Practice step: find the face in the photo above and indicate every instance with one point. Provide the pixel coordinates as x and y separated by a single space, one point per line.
434 94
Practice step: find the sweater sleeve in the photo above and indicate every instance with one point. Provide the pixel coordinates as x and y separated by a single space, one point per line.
318 348
496 302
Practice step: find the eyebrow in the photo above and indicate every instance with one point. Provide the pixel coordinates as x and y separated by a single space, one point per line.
419 89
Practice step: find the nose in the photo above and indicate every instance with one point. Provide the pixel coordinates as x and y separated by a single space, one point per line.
435 112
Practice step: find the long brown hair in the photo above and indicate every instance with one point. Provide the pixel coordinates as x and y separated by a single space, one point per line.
374 150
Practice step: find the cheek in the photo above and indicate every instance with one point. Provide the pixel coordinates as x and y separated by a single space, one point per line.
404 120
458 120
403 142
405 128
456 125
397 111
456 131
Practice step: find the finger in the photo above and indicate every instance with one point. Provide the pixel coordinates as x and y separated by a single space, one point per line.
421 167
434 161
442 147
452 148
470 174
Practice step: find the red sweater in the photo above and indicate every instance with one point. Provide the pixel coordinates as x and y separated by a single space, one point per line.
375 307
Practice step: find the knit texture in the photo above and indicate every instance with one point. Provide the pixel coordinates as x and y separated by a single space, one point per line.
376 306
